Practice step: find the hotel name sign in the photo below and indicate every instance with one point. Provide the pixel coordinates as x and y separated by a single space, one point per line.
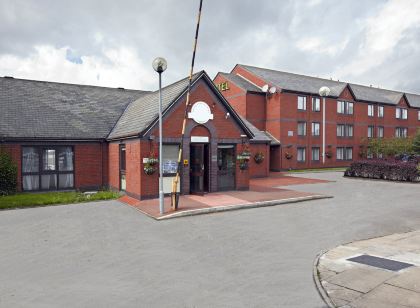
223 86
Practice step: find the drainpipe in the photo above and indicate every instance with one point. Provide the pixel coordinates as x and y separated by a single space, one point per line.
324 92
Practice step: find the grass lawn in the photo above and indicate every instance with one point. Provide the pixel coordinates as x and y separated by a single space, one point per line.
23 200
318 170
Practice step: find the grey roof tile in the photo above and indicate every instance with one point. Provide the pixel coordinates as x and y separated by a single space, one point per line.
295 82
413 100
141 113
259 136
377 95
50 110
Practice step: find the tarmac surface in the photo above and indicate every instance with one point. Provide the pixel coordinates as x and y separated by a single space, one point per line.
106 254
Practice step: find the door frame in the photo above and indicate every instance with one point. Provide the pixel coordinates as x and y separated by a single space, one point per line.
207 168
234 146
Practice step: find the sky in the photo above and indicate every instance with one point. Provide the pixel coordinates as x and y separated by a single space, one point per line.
113 43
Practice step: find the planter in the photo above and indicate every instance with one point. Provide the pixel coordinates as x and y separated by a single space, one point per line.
288 155
149 170
259 158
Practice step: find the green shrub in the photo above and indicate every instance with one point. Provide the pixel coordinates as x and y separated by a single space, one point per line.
8 174
416 143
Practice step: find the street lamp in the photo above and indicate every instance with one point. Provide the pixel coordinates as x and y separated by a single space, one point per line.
159 65
323 91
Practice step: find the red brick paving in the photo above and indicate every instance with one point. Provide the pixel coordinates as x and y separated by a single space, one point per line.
262 189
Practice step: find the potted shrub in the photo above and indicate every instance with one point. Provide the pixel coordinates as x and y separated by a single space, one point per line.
288 155
243 159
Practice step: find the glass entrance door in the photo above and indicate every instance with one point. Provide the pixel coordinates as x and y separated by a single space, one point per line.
226 167
199 155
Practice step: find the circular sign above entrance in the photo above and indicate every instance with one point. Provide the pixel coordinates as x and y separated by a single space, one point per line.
200 113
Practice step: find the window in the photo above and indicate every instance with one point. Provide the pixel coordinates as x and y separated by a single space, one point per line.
344 153
344 130
371 110
315 154
301 129
401 132
301 154
315 129
418 115
401 113
380 132
47 168
170 158
370 132
344 107
316 104
301 102
380 111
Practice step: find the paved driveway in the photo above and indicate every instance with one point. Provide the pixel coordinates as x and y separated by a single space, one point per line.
107 254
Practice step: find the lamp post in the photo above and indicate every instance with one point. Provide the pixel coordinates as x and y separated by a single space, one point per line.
324 92
159 65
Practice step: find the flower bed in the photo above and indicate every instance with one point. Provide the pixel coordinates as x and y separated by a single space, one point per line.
392 170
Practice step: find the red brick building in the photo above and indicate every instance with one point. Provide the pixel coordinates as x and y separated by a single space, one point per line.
292 113
65 136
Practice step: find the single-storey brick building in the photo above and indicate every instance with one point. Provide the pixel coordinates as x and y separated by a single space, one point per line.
66 136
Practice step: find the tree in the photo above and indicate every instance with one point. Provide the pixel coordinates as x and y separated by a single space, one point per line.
8 174
416 143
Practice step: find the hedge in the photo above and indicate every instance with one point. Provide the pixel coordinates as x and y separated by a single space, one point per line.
8 174
393 170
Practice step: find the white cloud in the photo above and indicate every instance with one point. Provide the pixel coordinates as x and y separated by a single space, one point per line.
118 67
382 33
318 45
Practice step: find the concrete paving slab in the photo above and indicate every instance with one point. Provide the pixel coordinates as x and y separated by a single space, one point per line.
409 279
389 295
361 279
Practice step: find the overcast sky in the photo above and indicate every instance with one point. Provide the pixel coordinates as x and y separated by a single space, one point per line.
112 43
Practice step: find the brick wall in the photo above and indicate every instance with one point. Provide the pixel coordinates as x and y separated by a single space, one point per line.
262 169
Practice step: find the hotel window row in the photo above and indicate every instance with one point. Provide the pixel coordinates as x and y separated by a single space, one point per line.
342 153
344 130
316 103
301 128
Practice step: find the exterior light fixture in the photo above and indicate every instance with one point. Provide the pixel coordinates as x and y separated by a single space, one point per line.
323 92
159 65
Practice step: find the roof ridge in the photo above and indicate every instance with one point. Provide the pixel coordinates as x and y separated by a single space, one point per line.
295 74
70 84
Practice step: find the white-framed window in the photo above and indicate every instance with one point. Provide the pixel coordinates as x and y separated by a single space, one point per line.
315 128
315 153
301 129
301 154
344 153
401 132
380 131
418 115
380 111
344 107
344 130
316 104
301 103
370 131
401 113
371 110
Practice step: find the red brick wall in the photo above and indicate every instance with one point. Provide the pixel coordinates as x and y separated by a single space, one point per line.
113 166
149 184
262 169
88 168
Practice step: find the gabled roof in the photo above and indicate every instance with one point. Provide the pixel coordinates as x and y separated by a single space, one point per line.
295 82
241 83
48 110
307 84
413 100
142 114
372 94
